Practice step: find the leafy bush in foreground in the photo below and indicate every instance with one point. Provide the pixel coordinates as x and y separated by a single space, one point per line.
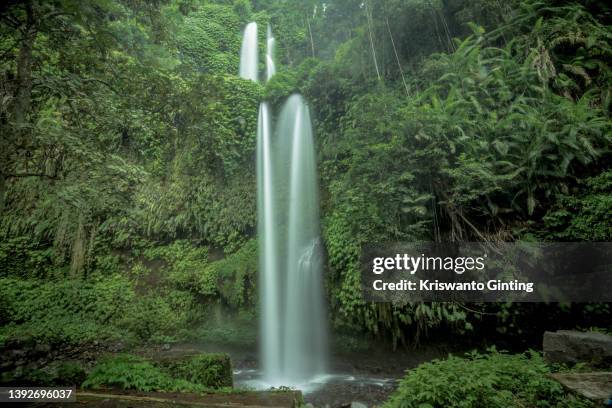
199 373
482 380
132 372
211 370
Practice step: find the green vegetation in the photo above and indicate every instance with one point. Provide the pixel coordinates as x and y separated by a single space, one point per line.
483 380
494 140
74 312
167 289
131 134
212 370
199 374
127 174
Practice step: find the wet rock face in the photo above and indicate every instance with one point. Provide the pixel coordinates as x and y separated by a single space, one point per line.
571 347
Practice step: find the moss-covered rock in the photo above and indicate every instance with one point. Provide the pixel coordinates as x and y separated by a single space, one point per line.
197 372
211 370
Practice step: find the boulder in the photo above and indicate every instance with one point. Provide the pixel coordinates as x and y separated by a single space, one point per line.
594 386
571 347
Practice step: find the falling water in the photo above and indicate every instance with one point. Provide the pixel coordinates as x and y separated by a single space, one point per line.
248 53
268 261
303 347
268 231
270 68
293 348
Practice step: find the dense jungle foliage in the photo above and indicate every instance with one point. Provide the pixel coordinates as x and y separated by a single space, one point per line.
492 380
127 166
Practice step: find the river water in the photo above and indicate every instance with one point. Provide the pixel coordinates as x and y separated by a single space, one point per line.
368 376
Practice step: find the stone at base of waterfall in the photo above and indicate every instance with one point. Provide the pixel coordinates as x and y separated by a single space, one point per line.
571 347
594 386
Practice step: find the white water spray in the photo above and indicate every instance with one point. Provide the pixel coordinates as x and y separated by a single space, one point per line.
304 343
249 54
293 329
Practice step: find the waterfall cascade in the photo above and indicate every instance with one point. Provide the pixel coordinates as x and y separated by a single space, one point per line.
302 316
293 328
248 53
270 42
267 235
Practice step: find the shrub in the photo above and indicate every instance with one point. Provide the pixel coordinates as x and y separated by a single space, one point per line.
151 315
210 370
132 372
482 380
196 374
235 276
578 217
209 40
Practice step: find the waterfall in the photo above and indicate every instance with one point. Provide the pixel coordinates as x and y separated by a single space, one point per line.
292 310
268 262
303 321
249 54
270 68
